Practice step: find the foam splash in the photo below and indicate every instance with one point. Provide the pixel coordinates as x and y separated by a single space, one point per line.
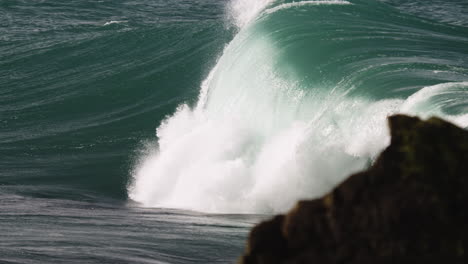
227 166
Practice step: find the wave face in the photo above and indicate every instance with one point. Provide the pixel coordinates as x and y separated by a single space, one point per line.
82 82
298 100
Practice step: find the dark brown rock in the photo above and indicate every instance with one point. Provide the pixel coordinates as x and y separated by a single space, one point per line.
409 207
266 243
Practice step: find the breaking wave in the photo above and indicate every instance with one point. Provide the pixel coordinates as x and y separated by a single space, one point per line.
298 101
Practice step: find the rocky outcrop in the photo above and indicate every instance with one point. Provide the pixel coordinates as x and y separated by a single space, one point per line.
411 206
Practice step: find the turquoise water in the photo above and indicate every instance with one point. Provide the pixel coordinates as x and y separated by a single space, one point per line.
256 104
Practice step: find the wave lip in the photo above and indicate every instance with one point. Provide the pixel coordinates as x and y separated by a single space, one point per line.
305 3
242 12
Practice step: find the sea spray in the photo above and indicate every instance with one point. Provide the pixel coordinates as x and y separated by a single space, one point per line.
242 12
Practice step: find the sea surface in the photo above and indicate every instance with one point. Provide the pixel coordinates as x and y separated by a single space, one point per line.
155 131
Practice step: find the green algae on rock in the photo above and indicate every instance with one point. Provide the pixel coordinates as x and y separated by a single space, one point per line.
409 206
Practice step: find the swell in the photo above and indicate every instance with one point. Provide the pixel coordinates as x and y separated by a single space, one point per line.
297 101
82 82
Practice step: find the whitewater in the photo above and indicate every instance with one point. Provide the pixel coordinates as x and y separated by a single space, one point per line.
272 126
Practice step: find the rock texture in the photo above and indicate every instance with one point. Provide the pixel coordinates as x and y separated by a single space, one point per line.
411 206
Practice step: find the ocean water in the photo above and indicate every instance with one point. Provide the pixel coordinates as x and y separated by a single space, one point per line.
151 131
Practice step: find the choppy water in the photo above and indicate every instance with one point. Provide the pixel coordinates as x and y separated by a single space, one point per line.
257 103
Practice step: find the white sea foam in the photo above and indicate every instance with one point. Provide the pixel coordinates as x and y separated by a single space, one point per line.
214 163
113 22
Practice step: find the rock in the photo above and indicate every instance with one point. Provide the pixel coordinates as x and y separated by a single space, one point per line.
411 206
